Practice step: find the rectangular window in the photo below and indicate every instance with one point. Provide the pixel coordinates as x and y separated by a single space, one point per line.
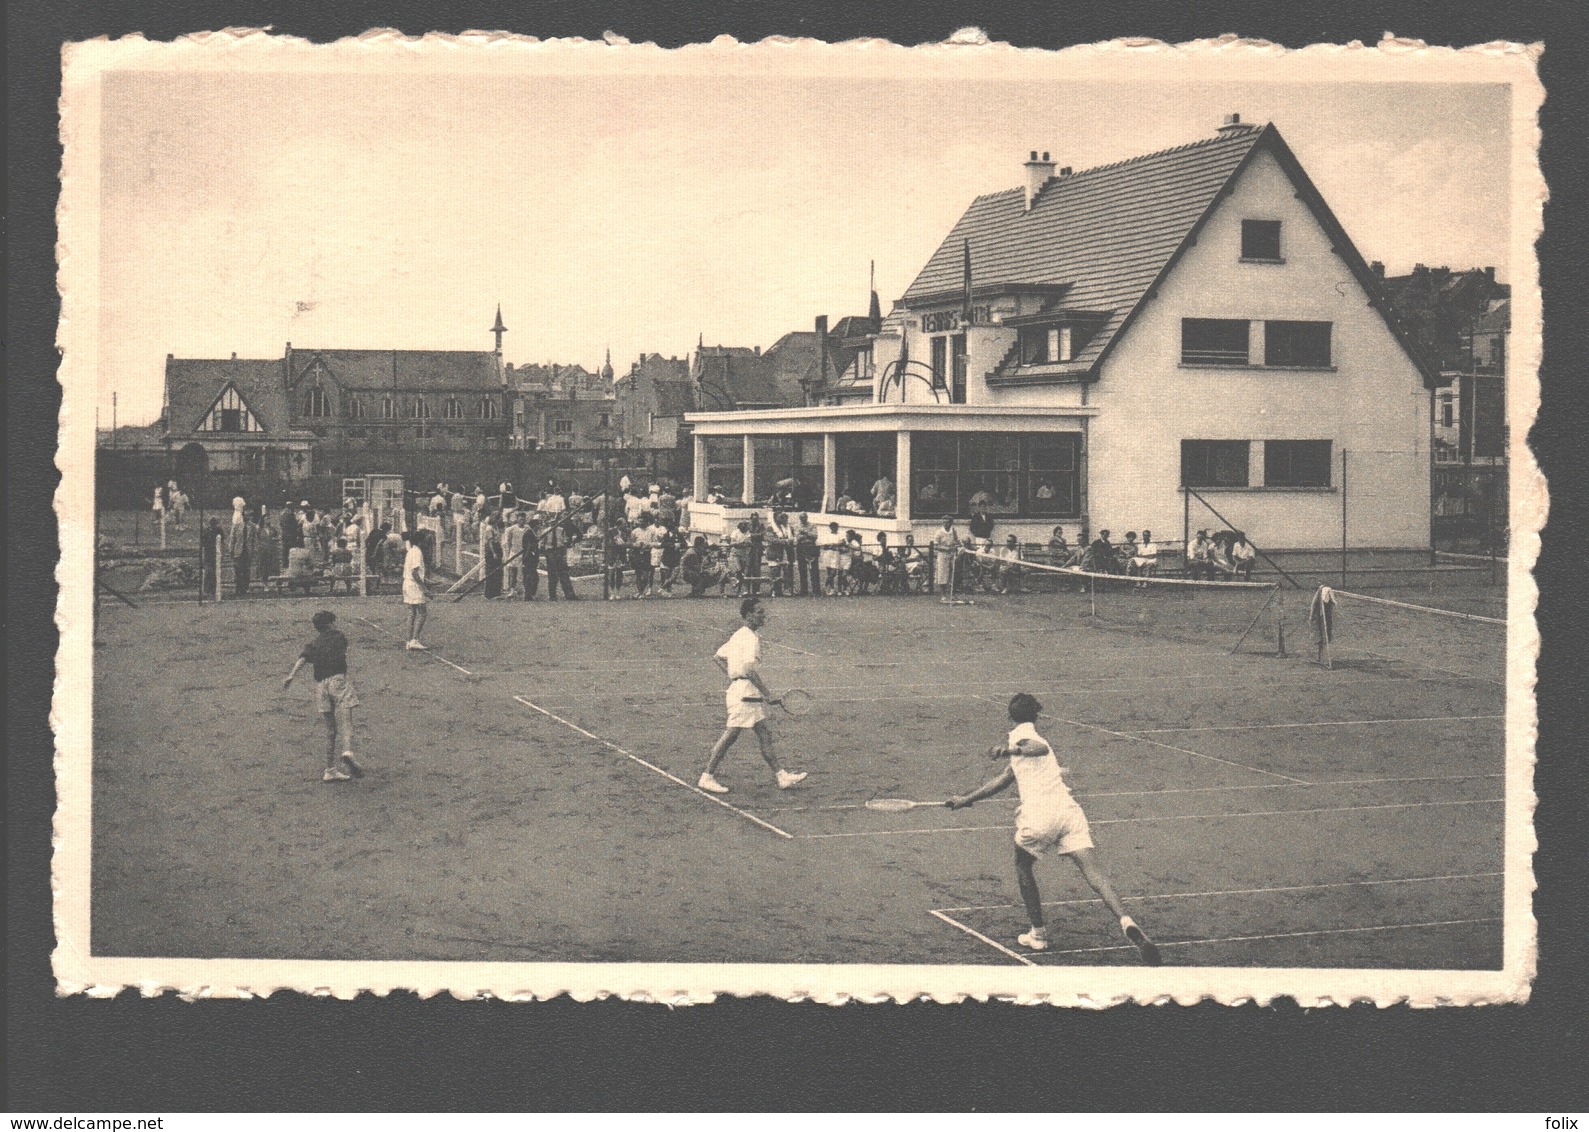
991 475
1213 463
934 474
1214 341
1260 239
940 363
861 459
231 420
1296 344
1296 463
1035 345
603 420
957 366
1447 412
1003 473
1052 485
725 466
563 427
1039 344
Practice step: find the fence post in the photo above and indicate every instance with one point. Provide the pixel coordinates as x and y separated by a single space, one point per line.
360 561
1343 518
457 542
218 597
162 529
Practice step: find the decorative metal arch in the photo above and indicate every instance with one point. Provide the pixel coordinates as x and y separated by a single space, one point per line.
721 401
902 370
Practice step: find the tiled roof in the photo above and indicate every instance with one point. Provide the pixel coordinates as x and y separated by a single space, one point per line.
193 384
468 370
854 326
1107 232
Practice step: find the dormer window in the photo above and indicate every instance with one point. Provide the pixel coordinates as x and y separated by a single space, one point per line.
316 403
1041 345
1260 241
452 409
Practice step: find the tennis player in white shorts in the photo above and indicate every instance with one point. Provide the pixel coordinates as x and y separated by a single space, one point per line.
1049 821
746 699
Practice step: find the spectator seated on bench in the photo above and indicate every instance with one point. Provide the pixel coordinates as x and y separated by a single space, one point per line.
1143 559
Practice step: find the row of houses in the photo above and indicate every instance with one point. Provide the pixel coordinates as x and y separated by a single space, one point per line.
1185 332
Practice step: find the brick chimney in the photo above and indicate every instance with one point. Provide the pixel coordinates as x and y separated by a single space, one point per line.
1378 269
1038 173
1232 124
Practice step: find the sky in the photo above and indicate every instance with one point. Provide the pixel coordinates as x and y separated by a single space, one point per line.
639 213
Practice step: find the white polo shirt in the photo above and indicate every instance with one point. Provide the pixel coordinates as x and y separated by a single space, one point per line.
741 652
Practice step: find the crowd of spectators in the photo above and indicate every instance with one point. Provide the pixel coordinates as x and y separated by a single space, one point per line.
638 537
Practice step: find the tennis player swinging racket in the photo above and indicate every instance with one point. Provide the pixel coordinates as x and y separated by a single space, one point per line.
746 700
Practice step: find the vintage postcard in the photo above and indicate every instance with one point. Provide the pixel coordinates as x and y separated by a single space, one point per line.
832 521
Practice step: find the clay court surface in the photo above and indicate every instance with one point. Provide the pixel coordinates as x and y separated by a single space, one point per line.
530 785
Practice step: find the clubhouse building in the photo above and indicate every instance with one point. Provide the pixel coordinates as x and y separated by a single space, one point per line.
1136 345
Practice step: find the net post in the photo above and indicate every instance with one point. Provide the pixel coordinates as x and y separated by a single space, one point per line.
1251 625
1280 623
457 542
162 529
360 561
218 597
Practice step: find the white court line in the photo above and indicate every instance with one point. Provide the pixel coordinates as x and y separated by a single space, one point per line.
747 815
1237 891
1279 935
770 644
423 652
1202 789
1182 750
1164 817
1327 723
993 943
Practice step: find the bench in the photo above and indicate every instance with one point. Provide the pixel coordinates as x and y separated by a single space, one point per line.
282 584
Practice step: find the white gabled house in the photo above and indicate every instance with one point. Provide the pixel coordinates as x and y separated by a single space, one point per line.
1080 350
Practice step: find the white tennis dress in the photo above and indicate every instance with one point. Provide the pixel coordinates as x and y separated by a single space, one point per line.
1049 819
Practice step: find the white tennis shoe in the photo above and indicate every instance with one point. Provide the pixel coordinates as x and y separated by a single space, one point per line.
786 779
1034 940
707 782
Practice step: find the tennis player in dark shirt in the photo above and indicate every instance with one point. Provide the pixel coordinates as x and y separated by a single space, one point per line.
334 696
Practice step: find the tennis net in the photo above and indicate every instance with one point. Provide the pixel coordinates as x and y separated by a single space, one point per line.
1237 616
1384 634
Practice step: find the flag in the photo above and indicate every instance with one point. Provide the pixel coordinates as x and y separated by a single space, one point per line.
305 308
965 306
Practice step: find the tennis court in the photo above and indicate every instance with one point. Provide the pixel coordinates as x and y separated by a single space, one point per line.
531 794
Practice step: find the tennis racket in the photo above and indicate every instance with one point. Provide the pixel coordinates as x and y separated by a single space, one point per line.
897 805
795 701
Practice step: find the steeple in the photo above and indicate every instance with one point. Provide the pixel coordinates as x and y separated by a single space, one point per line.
499 330
606 369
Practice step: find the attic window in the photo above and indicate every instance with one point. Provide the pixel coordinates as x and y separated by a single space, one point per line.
1044 344
316 403
230 414
452 409
488 409
388 408
356 409
1260 240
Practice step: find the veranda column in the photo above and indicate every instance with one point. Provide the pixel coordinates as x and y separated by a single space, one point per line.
902 489
701 487
748 492
830 471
